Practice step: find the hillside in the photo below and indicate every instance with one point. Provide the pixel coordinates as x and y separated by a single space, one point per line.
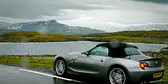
2 31
150 34
148 27
160 37
24 36
50 26
132 36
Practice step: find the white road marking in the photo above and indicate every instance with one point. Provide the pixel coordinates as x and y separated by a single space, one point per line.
49 75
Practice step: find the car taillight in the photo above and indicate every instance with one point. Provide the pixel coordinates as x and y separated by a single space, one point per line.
143 65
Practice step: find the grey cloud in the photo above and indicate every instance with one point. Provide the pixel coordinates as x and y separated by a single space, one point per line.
117 11
155 1
37 8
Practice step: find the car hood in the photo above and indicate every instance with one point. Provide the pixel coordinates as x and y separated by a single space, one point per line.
74 53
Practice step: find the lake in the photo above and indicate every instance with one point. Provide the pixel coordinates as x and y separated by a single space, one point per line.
52 48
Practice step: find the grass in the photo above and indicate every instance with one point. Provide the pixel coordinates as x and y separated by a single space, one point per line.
25 36
28 61
45 62
132 36
165 77
148 34
35 62
128 39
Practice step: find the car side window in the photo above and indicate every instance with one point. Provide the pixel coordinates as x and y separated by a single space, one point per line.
132 51
100 51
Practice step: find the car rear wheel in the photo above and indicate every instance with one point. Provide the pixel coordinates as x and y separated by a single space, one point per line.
117 76
60 67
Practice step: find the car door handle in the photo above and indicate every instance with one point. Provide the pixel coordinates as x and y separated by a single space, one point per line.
101 60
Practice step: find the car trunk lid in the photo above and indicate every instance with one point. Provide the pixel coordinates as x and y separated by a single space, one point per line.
152 62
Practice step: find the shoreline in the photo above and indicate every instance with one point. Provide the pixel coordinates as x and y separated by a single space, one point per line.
76 41
157 37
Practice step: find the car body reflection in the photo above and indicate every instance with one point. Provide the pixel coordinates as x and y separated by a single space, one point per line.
59 81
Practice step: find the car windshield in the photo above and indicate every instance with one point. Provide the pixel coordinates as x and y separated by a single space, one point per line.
132 51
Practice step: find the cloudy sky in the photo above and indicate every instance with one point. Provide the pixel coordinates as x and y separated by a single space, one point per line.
90 13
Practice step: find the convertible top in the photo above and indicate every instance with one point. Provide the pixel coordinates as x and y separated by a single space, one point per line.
113 45
116 49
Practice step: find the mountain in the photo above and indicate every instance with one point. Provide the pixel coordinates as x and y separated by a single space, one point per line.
50 26
137 27
2 31
148 27
4 25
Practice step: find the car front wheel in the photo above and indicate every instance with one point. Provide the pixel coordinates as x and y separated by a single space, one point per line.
117 76
60 67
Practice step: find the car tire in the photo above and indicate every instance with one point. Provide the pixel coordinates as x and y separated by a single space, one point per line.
60 67
117 75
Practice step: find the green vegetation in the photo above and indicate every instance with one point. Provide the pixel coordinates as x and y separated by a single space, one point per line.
128 39
36 62
165 77
28 61
149 34
124 36
24 36
132 36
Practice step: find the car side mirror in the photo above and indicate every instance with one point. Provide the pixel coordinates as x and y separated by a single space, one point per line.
86 53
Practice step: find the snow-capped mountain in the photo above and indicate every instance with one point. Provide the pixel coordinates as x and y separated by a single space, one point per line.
148 27
50 26
53 26
3 24
137 27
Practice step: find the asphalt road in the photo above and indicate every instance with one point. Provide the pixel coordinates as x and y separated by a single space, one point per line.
17 75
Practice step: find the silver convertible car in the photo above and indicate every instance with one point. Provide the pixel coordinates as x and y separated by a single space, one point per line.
118 63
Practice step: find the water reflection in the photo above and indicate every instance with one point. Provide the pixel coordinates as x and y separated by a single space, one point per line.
53 48
83 80
59 81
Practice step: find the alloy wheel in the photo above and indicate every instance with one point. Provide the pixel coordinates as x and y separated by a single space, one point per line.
60 67
117 76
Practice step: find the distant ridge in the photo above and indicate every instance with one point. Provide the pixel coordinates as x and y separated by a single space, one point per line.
148 27
51 26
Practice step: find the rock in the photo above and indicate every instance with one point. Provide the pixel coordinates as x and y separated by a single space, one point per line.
164 50
166 71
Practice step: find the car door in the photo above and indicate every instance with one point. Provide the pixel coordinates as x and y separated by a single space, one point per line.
94 62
